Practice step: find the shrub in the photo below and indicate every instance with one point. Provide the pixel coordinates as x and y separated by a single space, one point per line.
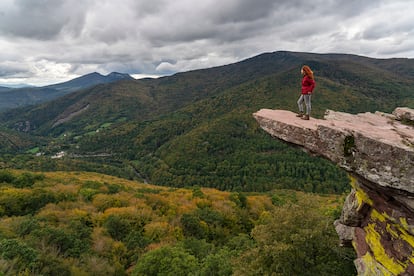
239 198
197 192
103 202
21 181
20 202
136 240
92 185
68 244
11 249
6 177
27 226
50 265
283 197
167 261
114 188
27 180
156 230
218 264
88 193
198 248
192 226
117 227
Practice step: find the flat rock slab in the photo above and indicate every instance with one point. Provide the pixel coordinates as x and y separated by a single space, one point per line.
376 146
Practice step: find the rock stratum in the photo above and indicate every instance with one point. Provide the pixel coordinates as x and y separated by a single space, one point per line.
377 149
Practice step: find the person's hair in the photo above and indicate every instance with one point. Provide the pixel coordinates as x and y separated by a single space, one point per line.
308 71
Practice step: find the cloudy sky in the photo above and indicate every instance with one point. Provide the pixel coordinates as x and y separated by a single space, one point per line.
50 41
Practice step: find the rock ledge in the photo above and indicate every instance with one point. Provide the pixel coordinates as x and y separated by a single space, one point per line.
377 149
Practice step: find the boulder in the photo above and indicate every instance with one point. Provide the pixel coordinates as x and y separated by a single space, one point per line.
404 114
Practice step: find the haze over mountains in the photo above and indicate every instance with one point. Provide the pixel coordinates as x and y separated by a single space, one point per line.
196 128
12 97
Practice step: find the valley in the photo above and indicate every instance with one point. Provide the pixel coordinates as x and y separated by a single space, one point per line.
108 178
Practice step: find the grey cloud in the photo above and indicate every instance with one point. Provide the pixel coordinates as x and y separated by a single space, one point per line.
43 19
380 30
345 9
230 21
13 70
242 11
221 22
404 50
144 8
162 36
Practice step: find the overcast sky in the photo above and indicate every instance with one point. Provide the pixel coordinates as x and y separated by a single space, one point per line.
50 41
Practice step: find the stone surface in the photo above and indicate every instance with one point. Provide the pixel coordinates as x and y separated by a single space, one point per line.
404 113
351 215
346 233
378 152
375 147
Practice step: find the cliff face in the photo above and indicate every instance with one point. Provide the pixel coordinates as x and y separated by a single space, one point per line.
378 152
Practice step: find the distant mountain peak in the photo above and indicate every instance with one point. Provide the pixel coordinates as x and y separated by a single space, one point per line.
89 80
117 75
93 74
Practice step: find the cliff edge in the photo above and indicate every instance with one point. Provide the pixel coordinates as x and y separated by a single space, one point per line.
377 149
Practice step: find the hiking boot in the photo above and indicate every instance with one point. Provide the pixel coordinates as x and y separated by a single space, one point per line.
300 114
305 117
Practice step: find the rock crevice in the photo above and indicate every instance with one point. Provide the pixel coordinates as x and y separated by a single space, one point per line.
377 149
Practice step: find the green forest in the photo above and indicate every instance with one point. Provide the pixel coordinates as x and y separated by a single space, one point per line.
77 223
196 128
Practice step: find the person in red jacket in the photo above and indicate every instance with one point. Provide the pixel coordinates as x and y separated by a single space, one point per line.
308 84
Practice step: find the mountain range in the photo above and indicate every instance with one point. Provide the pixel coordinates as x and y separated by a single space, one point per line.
30 95
196 127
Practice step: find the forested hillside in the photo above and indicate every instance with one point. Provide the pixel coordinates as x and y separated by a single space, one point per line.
90 224
196 128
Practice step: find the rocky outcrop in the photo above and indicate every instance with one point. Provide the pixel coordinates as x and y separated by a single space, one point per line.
378 152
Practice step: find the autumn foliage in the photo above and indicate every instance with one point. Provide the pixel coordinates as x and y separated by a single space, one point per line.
92 224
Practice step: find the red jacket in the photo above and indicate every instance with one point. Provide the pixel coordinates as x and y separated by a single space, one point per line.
308 85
